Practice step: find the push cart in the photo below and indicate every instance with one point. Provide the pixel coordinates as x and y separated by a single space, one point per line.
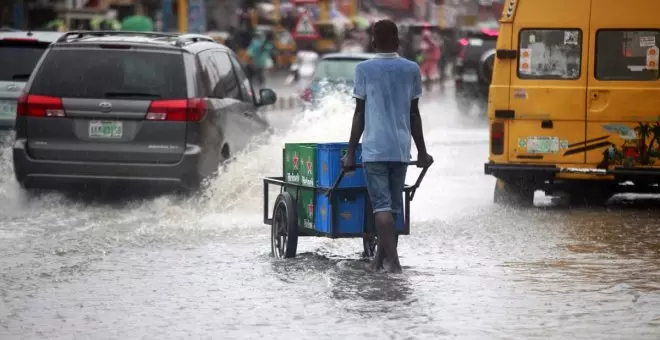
286 226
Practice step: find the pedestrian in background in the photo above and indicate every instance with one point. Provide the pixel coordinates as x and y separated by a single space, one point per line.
260 53
107 22
430 51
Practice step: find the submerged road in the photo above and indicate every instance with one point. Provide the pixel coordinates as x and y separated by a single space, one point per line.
170 268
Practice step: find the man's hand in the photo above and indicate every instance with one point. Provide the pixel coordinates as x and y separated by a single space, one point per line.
348 162
424 160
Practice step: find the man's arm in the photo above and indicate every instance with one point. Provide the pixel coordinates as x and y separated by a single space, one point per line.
360 94
358 126
415 118
416 127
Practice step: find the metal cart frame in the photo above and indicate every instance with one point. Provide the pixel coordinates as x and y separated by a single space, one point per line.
284 222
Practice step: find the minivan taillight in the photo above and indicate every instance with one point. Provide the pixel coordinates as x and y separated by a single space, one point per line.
497 138
192 110
39 106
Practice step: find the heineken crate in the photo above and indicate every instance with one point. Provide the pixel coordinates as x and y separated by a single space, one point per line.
305 205
349 213
329 157
299 162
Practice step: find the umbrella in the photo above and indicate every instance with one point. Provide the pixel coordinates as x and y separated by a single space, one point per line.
137 23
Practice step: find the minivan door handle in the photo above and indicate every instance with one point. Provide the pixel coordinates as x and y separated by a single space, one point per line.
546 124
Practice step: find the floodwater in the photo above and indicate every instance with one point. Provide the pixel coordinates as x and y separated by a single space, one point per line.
172 268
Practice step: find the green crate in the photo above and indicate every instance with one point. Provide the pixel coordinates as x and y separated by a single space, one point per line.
299 163
305 204
306 208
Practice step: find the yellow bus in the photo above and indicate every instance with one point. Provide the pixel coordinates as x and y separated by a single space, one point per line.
574 104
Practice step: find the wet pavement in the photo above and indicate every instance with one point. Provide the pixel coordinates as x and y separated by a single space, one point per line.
173 268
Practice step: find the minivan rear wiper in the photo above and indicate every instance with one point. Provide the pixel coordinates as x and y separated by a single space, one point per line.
20 76
131 94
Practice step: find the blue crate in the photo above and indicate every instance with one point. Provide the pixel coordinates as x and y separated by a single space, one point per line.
400 223
350 213
328 156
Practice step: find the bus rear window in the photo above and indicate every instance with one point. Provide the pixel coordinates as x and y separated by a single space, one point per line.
627 55
550 54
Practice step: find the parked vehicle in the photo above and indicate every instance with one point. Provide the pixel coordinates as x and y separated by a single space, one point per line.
333 72
473 70
125 107
19 53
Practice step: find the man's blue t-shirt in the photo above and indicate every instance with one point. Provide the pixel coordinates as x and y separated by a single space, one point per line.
387 84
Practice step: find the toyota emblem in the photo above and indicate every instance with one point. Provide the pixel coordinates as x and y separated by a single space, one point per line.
105 107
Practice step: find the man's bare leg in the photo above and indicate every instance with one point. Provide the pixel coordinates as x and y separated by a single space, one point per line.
385 229
379 258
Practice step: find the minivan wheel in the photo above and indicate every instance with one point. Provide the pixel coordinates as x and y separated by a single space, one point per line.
590 194
515 193
192 185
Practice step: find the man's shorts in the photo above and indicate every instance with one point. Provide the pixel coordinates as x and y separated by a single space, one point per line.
385 182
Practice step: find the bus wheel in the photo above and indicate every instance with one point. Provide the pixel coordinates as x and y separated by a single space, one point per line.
513 193
588 194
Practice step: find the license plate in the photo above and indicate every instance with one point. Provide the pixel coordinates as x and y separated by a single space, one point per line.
7 108
542 144
105 129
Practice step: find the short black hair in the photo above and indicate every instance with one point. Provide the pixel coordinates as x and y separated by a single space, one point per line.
386 34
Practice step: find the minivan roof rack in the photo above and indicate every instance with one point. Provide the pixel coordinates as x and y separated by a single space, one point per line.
80 34
188 38
180 39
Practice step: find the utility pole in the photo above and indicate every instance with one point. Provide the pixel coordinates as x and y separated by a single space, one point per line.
182 16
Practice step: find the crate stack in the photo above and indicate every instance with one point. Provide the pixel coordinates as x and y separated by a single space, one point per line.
315 166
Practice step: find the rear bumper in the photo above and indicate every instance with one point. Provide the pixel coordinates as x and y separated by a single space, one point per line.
36 172
547 172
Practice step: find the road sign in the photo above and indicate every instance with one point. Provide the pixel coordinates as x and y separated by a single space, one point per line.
305 28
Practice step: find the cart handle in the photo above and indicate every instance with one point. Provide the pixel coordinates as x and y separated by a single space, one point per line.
413 188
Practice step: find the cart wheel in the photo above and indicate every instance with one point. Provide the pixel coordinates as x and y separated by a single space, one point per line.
370 242
284 230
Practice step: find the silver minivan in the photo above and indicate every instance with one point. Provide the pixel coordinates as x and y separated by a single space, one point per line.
126 107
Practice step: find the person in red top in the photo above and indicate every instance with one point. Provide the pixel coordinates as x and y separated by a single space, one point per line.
430 51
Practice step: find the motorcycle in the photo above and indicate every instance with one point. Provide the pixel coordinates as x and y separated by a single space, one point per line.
303 68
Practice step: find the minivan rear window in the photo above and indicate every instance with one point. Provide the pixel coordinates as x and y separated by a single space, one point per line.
103 73
627 55
337 69
18 60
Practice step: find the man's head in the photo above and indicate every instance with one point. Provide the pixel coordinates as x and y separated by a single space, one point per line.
385 36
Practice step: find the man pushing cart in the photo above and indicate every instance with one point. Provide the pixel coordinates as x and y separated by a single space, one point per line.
315 201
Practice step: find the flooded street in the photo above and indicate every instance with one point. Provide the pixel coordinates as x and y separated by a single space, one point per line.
173 268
